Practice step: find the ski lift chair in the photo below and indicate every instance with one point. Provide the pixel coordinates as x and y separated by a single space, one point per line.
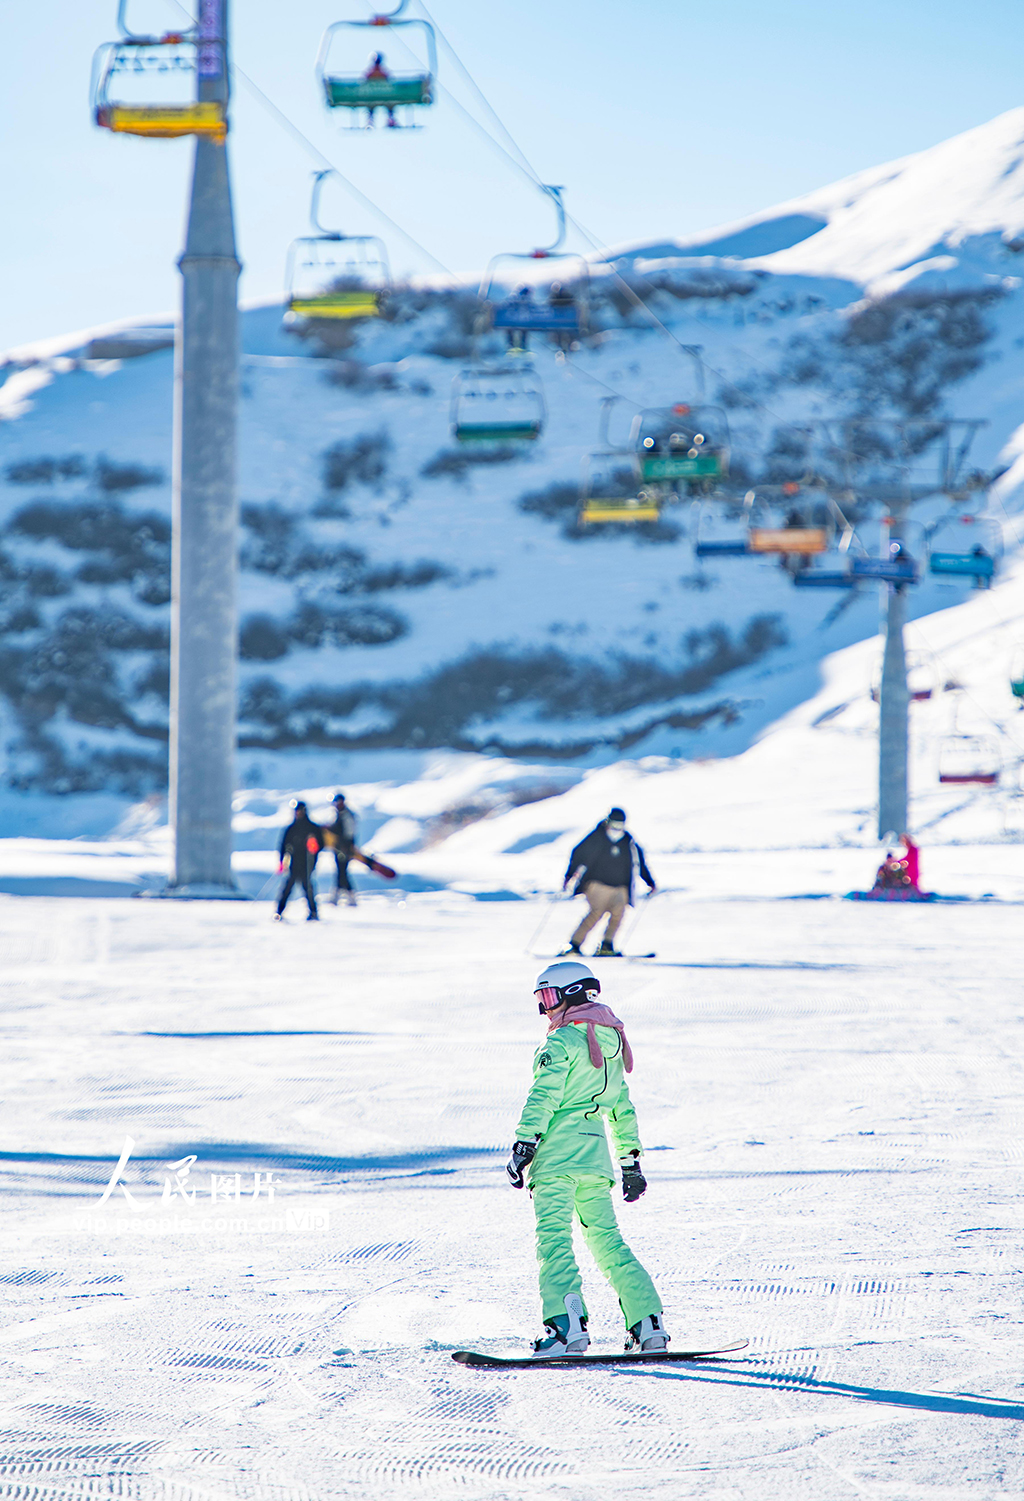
561 310
970 759
801 541
922 678
824 578
978 562
497 404
681 442
408 89
609 492
897 568
736 545
142 86
333 275
921 674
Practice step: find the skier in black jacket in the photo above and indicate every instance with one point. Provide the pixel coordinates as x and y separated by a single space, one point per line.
301 842
604 865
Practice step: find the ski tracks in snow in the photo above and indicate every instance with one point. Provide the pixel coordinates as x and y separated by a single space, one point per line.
831 1107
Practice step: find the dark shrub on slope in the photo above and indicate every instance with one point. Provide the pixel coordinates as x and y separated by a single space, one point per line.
71 667
44 471
132 547
442 707
363 459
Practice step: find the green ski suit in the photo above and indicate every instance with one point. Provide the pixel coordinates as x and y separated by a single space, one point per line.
572 1171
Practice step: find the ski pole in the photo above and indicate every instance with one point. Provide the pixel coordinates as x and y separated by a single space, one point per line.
640 912
271 878
540 926
556 896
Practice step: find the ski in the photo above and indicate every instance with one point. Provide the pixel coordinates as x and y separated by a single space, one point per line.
587 957
474 1358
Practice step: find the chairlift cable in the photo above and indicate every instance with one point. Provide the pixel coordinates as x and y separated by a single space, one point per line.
321 159
573 370
325 161
525 166
524 163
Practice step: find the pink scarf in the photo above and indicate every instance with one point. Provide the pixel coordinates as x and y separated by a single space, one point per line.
594 1014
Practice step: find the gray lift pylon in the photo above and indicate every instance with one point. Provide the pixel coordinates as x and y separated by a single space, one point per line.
893 718
204 628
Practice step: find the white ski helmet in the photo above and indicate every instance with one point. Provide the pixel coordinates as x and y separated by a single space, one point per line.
565 983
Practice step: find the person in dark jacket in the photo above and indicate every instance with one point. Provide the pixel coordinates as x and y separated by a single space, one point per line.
341 836
604 866
301 842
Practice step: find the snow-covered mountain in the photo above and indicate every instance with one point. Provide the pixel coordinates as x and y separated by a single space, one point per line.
960 203
397 596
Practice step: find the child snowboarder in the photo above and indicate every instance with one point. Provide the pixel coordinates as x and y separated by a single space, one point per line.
578 1083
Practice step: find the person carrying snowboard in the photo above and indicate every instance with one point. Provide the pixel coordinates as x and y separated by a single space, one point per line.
301 843
604 866
341 836
578 1086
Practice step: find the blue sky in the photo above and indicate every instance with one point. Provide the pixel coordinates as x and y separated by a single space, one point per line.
661 119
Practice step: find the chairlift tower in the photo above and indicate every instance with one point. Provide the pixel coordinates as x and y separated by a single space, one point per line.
855 442
204 627
894 697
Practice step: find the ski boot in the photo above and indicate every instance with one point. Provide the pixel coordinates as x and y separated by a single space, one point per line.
334 898
566 1332
648 1336
573 948
313 917
608 951
350 900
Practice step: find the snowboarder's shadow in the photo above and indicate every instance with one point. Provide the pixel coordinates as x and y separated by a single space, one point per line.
965 1404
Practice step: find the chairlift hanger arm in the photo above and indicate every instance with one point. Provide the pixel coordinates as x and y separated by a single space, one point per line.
389 18
555 194
128 35
314 206
955 461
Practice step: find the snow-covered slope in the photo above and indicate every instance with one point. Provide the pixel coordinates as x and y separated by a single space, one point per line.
397 598
799 803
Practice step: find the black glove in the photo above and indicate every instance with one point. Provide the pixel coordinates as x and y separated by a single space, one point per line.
523 1153
634 1184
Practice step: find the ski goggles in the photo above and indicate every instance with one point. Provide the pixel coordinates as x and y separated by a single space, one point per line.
550 997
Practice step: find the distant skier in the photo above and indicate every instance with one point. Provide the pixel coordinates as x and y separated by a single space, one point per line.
377 73
604 866
901 873
341 836
898 878
578 1085
890 874
301 843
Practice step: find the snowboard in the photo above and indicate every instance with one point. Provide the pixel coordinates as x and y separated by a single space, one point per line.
624 1357
377 866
